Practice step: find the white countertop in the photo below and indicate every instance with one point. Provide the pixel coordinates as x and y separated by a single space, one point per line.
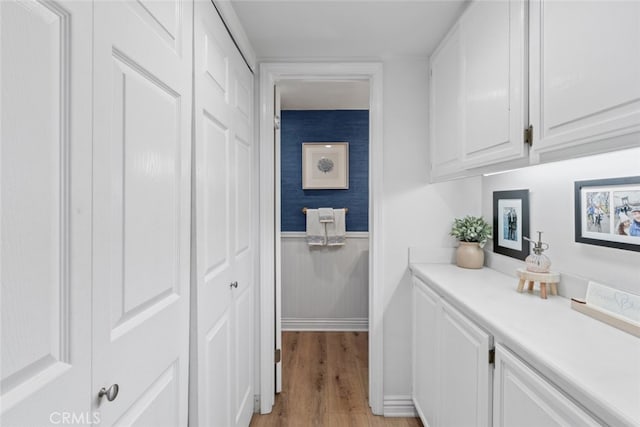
597 364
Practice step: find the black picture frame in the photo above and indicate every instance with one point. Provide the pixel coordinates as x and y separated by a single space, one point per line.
601 206
507 230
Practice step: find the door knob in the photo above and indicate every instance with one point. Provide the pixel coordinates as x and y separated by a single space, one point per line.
111 393
234 285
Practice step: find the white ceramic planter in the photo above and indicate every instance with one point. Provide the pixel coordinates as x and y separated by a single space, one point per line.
469 255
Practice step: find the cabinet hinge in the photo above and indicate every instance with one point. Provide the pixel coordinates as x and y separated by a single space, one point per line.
276 122
276 356
528 135
492 356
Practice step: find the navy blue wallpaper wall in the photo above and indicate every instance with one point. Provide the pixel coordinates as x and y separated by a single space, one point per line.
350 126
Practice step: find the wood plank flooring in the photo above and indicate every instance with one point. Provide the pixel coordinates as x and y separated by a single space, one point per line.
325 384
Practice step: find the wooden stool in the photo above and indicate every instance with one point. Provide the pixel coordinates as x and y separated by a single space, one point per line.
529 278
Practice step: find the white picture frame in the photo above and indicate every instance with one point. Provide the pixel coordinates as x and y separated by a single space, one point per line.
325 165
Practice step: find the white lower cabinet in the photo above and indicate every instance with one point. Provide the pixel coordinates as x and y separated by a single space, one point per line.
523 398
452 380
425 353
455 382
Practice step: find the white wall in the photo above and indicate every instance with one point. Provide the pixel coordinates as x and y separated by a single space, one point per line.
551 201
416 213
325 287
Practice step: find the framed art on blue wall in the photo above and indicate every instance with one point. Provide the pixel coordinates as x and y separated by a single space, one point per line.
511 223
607 212
325 165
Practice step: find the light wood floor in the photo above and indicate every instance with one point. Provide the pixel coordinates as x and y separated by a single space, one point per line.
325 383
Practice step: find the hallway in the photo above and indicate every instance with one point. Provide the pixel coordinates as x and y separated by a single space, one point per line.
325 383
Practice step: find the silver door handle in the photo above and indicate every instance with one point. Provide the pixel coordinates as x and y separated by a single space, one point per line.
111 392
234 285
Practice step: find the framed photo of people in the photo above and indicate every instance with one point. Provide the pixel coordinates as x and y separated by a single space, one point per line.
607 212
511 223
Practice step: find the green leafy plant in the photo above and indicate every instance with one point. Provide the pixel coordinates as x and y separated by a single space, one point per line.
471 229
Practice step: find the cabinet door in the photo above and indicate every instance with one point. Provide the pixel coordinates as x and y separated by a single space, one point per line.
585 75
45 194
445 108
523 398
465 372
492 45
425 352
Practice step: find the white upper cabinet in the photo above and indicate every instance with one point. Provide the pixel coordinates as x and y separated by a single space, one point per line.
585 76
569 69
446 107
478 97
493 62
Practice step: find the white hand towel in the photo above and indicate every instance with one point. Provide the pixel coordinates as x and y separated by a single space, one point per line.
315 229
336 230
325 214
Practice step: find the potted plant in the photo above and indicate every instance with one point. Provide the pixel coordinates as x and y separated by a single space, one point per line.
472 232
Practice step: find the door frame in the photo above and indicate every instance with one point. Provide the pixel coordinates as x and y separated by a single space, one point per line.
270 74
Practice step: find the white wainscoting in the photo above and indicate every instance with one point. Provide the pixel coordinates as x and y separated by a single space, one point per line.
325 288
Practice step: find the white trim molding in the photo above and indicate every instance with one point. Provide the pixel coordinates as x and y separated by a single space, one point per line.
231 20
399 406
328 325
270 74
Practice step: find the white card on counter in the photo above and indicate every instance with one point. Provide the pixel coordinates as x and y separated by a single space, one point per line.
620 303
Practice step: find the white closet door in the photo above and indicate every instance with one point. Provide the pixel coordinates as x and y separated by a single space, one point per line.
45 193
142 138
223 367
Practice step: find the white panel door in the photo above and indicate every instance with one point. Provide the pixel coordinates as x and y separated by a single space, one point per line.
523 398
45 193
465 373
446 107
426 311
277 101
493 62
222 374
585 73
141 160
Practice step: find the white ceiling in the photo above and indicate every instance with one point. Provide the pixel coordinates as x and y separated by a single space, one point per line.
324 95
328 29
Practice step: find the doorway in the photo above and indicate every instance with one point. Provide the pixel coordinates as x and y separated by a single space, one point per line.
272 75
323 286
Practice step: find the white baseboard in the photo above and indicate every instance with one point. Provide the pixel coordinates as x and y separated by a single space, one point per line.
350 324
399 406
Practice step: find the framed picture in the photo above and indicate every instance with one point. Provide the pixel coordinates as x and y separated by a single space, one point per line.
607 212
510 223
325 165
